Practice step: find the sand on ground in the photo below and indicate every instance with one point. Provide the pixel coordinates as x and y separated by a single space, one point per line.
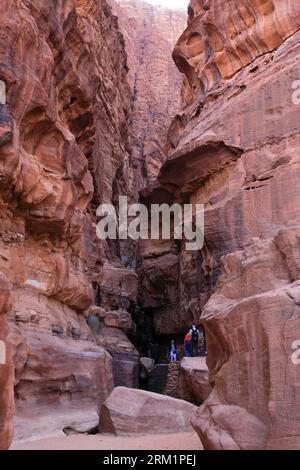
179 441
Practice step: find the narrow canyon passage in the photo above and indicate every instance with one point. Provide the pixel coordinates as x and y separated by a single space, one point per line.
104 99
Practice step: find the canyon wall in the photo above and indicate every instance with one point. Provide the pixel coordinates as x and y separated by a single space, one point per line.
81 123
235 148
150 34
63 150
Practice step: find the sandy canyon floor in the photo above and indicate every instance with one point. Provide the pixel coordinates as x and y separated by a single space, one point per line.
181 441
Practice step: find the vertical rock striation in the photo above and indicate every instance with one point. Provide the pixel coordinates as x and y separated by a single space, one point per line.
235 148
63 151
150 34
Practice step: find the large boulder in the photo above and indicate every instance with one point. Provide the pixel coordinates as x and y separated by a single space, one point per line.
193 379
129 411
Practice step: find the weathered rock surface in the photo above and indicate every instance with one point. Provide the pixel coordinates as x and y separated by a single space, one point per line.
129 411
60 383
235 148
6 369
124 354
188 380
63 150
223 37
150 34
193 380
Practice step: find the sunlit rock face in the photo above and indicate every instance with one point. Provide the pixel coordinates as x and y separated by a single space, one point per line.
235 148
63 150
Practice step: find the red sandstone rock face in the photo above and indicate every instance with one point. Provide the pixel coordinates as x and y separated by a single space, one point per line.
63 151
223 37
188 380
6 369
150 34
236 149
193 380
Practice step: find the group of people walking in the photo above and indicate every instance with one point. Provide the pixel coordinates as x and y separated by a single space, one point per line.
194 344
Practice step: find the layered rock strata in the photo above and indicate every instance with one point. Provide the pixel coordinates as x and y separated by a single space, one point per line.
234 148
63 151
150 33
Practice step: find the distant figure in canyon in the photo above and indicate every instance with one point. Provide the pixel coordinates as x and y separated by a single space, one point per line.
173 351
188 345
195 334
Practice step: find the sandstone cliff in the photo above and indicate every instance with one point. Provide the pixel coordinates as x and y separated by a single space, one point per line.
74 133
82 122
150 34
64 146
234 147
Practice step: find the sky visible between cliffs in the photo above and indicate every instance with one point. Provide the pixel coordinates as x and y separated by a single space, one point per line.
170 3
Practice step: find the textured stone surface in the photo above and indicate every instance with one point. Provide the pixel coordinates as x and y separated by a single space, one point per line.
137 411
124 354
60 383
150 33
193 380
223 37
6 369
235 148
188 380
63 150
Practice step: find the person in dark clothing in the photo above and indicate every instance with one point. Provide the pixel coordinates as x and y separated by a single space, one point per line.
195 340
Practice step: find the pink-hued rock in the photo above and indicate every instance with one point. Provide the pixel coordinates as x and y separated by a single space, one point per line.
150 32
235 148
6 370
124 354
222 38
118 319
118 285
60 383
193 379
64 149
130 411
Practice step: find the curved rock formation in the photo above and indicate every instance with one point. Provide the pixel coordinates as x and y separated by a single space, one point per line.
63 151
73 134
235 149
223 37
193 380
